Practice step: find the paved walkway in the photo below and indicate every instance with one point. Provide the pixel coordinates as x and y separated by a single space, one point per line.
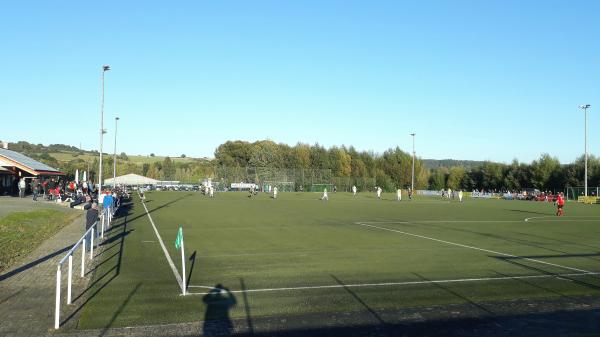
27 290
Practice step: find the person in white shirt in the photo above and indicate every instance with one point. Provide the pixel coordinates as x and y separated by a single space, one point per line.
399 194
22 187
460 196
325 196
353 190
275 192
378 192
211 191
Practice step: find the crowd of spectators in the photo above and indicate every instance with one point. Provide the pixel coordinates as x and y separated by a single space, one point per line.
72 192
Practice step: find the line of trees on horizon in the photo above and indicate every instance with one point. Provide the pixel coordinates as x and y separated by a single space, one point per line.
390 169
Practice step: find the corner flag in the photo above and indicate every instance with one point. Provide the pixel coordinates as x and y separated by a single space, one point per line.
179 238
179 244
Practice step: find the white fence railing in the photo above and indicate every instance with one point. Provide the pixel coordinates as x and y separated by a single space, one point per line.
91 237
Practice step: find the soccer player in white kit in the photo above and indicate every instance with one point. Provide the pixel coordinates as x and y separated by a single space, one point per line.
211 191
379 192
460 196
353 190
275 192
399 194
325 197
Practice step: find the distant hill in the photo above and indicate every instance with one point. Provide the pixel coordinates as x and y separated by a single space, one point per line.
58 153
435 163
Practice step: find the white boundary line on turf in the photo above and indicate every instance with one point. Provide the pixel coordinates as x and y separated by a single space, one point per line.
475 248
383 284
570 218
162 244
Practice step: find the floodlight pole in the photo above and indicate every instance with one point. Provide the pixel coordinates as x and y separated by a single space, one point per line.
115 155
412 181
105 68
585 174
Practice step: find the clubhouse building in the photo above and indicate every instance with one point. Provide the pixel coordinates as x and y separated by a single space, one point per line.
14 166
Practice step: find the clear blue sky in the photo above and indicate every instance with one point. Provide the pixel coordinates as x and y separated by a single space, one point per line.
474 79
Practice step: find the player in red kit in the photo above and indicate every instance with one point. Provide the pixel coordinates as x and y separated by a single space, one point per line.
560 203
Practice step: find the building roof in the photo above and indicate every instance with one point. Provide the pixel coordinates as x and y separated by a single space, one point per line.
131 179
12 158
4 171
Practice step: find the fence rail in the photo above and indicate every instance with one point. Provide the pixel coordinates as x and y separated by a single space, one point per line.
96 231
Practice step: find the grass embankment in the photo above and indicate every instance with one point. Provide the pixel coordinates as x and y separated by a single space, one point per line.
22 232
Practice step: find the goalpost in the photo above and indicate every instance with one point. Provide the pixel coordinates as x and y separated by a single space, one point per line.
282 186
321 187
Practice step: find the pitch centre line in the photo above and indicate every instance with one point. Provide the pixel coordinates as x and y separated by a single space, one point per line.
162 244
475 248
404 283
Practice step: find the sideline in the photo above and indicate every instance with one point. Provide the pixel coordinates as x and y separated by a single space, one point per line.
383 284
475 248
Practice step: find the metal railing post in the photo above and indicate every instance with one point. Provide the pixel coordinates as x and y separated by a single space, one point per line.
69 279
102 227
83 257
57 305
92 243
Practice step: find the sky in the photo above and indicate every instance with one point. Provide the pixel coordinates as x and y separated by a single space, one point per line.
478 80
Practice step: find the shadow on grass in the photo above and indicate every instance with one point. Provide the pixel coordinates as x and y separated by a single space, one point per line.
217 322
33 263
193 262
121 307
523 242
102 281
359 300
515 261
555 324
484 310
528 212
247 307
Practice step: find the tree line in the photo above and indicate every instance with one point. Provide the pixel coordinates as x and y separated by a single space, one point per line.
390 169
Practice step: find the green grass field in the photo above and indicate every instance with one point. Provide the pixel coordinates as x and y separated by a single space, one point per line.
297 255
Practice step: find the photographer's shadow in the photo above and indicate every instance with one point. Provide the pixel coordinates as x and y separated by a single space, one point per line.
219 302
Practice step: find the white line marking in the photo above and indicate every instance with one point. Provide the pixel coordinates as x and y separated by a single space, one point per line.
162 244
384 284
566 218
435 221
476 248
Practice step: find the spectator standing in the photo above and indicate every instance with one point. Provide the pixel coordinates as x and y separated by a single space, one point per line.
22 187
35 188
91 216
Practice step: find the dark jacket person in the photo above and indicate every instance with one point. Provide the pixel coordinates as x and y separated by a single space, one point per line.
91 216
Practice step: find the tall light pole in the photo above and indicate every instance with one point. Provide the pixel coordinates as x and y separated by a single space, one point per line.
412 181
584 107
115 155
105 68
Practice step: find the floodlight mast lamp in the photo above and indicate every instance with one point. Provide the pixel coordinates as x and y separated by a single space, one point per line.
115 155
584 107
105 68
412 180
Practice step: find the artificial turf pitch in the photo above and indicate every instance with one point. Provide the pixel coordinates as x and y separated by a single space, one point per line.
297 255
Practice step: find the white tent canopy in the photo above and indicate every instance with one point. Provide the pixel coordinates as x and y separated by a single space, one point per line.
130 179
